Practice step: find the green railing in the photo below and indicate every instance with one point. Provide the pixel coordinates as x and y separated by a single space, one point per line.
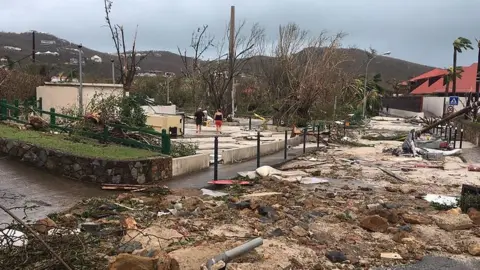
12 112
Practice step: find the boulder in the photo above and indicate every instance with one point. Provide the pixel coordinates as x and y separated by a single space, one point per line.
474 249
265 171
153 259
374 223
416 219
474 215
453 222
44 225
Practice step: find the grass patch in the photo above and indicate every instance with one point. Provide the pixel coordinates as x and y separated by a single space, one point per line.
84 147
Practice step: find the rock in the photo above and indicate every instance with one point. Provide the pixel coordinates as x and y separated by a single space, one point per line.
406 228
416 219
374 223
399 236
391 189
474 249
474 215
454 211
129 247
374 206
336 256
453 222
391 216
124 196
91 227
128 223
44 225
394 256
157 261
299 231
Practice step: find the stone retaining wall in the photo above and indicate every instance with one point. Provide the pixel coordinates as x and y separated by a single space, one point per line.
90 169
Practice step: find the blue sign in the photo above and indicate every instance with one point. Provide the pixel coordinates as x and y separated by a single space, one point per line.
453 100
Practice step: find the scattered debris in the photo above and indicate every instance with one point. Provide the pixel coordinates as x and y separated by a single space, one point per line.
213 193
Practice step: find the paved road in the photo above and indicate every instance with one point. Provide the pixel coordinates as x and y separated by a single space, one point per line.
21 185
440 263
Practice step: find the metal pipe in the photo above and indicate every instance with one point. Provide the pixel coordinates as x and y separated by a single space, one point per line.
461 138
449 134
231 254
258 149
215 158
455 138
286 145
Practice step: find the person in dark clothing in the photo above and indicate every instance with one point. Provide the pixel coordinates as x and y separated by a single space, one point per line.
199 115
218 117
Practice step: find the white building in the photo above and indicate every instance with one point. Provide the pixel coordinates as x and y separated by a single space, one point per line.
96 59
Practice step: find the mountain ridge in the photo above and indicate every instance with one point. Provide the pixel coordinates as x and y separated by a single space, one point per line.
61 54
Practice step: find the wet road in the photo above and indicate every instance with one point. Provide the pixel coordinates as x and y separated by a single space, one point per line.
21 185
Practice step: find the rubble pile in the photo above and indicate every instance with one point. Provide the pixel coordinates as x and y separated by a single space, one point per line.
339 208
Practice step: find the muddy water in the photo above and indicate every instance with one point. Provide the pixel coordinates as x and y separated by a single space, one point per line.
21 186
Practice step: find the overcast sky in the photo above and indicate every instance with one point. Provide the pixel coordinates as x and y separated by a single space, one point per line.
420 31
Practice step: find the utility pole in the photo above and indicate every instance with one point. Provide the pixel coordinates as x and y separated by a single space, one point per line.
168 91
33 46
113 70
80 80
232 57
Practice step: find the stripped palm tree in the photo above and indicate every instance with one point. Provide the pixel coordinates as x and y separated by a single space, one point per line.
477 81
452 75
459 45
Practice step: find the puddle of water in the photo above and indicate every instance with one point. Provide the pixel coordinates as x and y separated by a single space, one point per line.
40 191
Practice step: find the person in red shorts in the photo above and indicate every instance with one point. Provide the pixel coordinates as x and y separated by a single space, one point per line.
218 117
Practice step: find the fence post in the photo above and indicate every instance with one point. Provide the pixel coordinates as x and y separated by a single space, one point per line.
305 130
249 123
165 142
25 108
215 158
258 149
3 109
40 105
105 133
461 138
455 138
53 121
286 145
441 131
450 134
318 136
16 103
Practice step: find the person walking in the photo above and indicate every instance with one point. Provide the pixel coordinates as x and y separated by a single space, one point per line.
199 115
218 117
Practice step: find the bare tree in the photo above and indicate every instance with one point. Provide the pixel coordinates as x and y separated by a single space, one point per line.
213 75
127 59
304 75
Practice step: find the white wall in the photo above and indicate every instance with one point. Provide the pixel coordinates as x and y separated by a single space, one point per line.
402 113
434 105
65 95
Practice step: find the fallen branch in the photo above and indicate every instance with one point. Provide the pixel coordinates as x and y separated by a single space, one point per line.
36 236
392 174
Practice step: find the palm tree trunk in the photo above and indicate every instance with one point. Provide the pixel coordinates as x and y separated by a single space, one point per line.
454 82
445 98
477 83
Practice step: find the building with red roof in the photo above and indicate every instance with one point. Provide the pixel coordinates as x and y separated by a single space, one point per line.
432 83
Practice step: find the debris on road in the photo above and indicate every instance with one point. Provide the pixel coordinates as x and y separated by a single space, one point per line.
342 207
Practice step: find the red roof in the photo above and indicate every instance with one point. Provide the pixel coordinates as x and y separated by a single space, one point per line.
464 85
436 72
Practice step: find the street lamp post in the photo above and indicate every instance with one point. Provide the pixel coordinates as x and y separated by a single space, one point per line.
80 80
366 80
113 70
